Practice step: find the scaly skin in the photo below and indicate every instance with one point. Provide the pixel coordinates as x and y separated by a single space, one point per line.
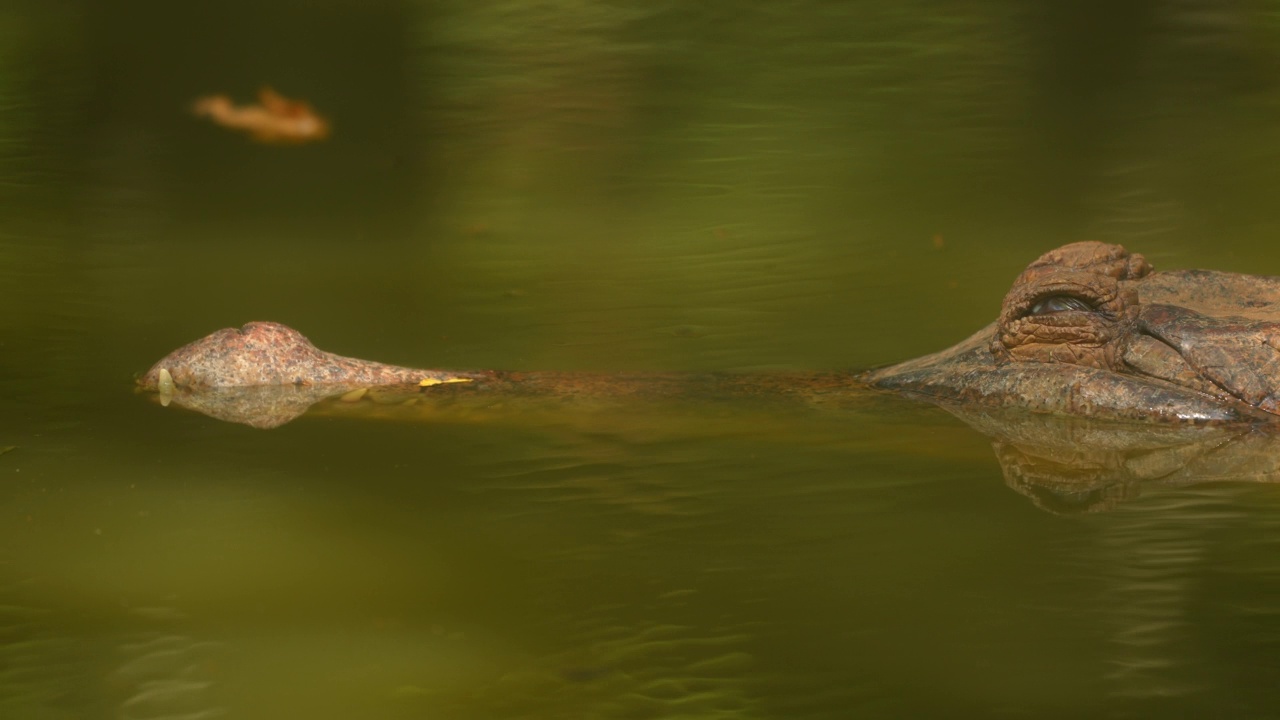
1090 330
266 353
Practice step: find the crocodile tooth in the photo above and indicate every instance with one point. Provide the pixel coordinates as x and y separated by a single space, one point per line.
165 385
428 382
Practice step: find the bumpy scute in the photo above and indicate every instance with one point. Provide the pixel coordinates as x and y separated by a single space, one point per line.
271 354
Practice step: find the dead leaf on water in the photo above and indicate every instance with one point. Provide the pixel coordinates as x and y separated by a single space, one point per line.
275 119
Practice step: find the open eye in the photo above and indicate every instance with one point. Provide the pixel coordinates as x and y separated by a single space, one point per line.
1059 303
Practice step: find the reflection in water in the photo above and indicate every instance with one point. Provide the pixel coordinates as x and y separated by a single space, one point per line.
257 406
1071 465
1064 464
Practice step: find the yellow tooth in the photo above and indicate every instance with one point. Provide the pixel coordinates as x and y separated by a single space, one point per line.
165 385
428 382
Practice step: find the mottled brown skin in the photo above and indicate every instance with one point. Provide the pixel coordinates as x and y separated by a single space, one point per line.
1091 330
266 353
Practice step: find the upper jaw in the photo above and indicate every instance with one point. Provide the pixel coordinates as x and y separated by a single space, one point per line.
968 375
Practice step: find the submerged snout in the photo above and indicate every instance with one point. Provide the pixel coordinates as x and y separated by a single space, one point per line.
1232 358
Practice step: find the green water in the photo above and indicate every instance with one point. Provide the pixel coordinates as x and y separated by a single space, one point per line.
606 186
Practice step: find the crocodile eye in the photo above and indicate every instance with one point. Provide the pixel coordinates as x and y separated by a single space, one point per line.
1059 303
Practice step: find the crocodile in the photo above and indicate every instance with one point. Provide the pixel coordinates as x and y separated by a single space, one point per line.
1087 330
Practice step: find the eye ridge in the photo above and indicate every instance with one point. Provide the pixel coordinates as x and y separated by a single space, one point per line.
1059 303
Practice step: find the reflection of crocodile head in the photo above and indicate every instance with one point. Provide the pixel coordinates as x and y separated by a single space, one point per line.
1070 465
1089 330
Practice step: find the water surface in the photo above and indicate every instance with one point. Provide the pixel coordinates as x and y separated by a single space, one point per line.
607 187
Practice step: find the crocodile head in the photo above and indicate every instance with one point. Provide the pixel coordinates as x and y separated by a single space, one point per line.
1089 329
